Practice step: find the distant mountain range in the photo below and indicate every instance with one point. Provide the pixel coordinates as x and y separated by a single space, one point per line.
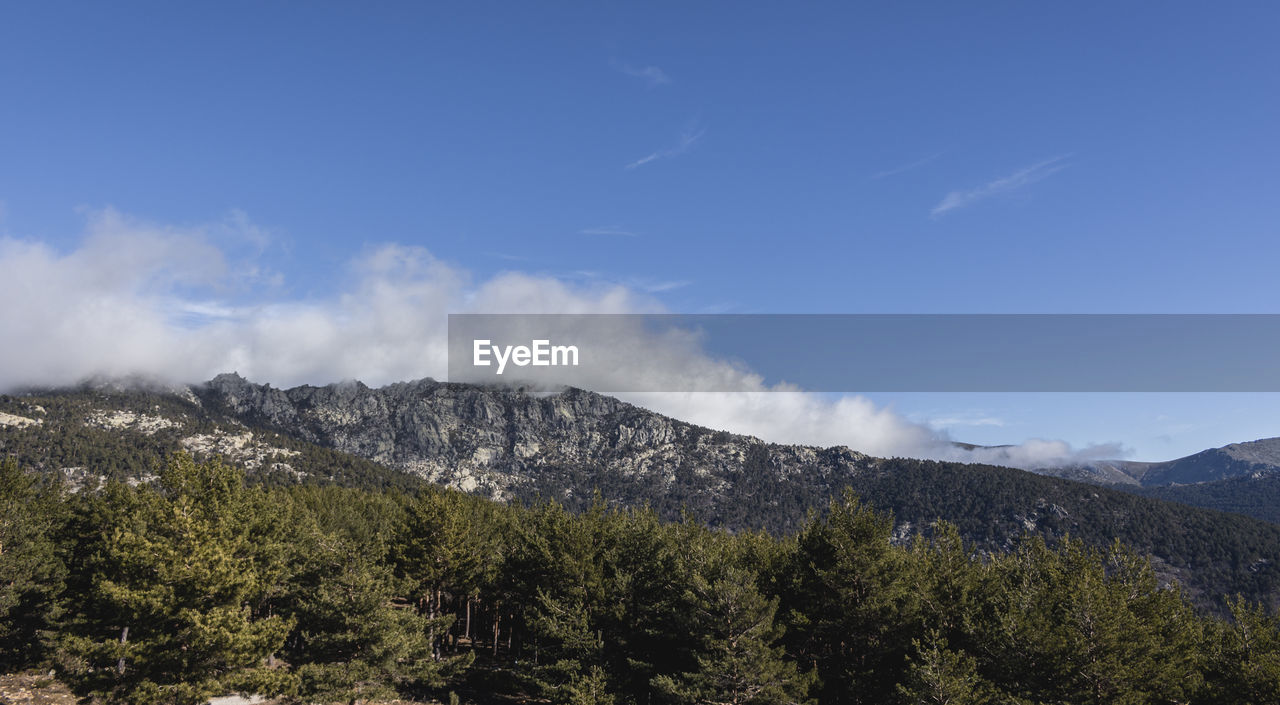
1251 459
511 445
1240 477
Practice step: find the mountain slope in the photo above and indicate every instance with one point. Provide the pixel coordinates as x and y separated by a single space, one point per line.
1242 477
1255 496
91 434
512 445
1235 460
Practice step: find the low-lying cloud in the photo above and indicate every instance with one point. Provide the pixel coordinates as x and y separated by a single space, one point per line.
138 298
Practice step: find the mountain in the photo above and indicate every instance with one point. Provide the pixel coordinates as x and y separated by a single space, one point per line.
514 445
1258 458
1255 496
1241 477
99 432
1250 459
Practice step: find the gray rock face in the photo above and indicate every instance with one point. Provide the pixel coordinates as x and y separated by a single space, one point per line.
500 440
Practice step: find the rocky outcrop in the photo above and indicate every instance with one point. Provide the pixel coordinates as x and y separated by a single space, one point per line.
499 440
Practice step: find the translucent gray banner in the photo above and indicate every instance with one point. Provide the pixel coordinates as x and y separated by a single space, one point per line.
870 353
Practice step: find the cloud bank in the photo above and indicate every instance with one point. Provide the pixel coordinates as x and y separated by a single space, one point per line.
138 298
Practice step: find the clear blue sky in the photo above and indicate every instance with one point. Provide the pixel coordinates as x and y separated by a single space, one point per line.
743 157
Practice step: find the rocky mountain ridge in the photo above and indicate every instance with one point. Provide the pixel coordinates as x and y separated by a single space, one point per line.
498 440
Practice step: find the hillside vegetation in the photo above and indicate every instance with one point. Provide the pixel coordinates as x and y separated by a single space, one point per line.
197 584
512 446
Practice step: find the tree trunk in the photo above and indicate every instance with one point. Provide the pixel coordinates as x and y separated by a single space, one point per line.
497 618
124 638
435 612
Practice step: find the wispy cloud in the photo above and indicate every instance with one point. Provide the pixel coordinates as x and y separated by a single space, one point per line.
949 418
905 167
949 421
651 75
657 286
647 285
509 257
607 230
1017 180
688 139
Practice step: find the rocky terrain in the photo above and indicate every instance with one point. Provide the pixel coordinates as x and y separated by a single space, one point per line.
509 444
498 441
33 689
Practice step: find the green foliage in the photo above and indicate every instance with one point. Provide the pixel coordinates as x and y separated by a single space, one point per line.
168 613
851 603
1074 625
358 634
31 572
326 593
937 675
557 559
1250 495
1211 554
737 660
1244 656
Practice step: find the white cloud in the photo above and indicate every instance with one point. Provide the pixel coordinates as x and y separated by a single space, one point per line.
140 298
651 75
658 286
1017 180
688 138
905 167
607 230
967 419
1035 453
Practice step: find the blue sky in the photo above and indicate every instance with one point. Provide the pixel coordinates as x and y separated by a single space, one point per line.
737 157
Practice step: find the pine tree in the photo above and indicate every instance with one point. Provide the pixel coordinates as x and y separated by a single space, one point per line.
590 688
645 577
852 609
737 662
168 615
1074 625
1244 656
442 556
31 572
359 634
940 676
558 561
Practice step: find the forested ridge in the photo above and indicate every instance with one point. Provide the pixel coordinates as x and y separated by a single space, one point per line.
634 458
1255 496
198 584
75 433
